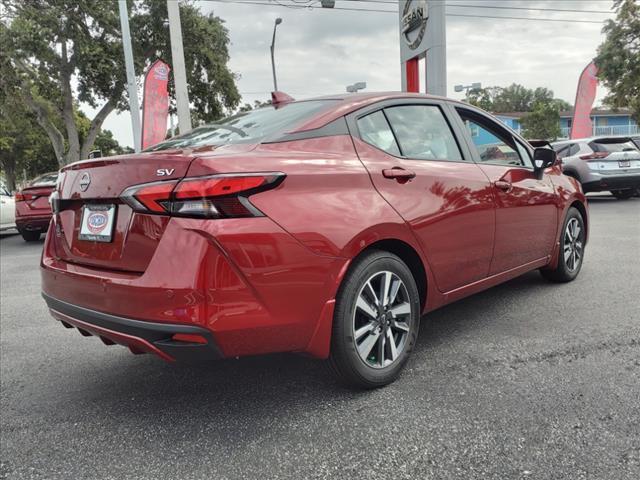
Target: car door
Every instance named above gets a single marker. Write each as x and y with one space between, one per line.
7 208
526 212
419 166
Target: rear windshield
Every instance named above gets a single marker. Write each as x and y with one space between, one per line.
613 147
246 127
45 180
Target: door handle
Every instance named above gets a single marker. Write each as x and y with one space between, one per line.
503 185
399 174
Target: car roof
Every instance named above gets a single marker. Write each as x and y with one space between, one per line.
592 139
349 102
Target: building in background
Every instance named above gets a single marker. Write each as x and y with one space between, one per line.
605 122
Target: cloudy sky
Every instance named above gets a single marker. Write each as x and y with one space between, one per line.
320 51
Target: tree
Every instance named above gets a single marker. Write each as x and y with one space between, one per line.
56 53
247 107
542 122
25 151
514 98
618 58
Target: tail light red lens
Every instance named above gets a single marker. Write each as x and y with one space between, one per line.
594 156
155 196
216 196
23 197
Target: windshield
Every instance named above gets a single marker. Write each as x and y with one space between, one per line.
245 127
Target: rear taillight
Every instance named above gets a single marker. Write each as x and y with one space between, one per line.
23 197
594 156
215 196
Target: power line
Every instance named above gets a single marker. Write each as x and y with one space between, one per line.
310 6
529 8
501 7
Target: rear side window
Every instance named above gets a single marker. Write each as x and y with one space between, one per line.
374 129
247 127
574 149
423 133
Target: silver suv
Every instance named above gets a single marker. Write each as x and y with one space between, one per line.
602 163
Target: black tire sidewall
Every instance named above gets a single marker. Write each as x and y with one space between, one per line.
343 345
562 264
623 194
30 236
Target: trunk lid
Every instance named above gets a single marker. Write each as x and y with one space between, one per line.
615 155
99 182
37 198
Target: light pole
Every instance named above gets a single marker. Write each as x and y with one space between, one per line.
179 72
467 88
273 63
356 86
134 106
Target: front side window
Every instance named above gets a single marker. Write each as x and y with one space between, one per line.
247 127
561 150
374 129
423 133
493 144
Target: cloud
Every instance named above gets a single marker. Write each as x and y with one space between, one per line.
320 51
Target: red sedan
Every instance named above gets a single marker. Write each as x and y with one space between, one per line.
326 227
33 212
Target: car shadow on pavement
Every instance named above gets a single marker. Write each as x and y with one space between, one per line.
282 381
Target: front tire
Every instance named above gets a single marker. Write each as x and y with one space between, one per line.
623 194
30 235
376 321
572 245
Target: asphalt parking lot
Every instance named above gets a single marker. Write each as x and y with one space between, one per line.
527 380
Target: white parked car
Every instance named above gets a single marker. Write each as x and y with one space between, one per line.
7 210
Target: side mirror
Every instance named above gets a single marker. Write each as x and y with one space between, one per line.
543 158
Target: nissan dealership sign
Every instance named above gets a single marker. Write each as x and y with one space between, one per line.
413 26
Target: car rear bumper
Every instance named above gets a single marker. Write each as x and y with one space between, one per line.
33 223
611 182
255 291
139 336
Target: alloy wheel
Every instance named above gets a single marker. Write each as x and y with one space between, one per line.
381 319
573 244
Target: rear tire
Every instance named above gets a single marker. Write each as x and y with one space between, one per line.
376 321
572 246
30 235
623 194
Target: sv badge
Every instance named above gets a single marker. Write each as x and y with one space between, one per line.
165 172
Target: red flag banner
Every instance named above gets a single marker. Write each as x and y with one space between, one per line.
155 106
581 125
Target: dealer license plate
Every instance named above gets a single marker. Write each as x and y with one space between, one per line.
97 223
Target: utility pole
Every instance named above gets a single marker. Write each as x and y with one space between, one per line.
179 71
132 87
273 46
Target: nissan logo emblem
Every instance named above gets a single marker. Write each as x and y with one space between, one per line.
85 181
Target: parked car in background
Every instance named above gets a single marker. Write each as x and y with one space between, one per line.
327 226
602 164
7 210
33 212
